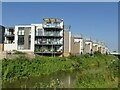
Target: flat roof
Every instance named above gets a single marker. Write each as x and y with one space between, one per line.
10 27
75 37
52 20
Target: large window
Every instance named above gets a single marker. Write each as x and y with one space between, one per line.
21 31
29 42
24 38
39 32
21 42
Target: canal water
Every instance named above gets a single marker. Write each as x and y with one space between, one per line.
67 78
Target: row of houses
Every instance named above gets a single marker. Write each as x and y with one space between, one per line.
51 38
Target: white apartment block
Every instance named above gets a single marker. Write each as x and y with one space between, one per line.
88 48
9 42
77 45
50 38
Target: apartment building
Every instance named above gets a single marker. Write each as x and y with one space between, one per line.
50 38
9 42
103 48
45 39
95 46
77 45
99 47
9 35
88 48
2 30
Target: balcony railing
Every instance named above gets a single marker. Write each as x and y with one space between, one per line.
52 34
48 51
48 43
52 26
59 36
9 35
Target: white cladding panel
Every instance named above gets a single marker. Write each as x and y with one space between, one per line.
9 47
32 37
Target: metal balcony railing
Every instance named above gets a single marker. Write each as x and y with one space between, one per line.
52 26
48 51
8 34
48 43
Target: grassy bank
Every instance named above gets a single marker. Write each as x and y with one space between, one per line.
97 70
23 67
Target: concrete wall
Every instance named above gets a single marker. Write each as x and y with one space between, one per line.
2 55
67 43
13 56
103 50
1 47
88 47
26 38
9 47
99 49
72 45
80 41
95 47
76 48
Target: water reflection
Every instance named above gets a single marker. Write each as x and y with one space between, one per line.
66 78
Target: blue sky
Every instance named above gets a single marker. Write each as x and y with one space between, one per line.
96 20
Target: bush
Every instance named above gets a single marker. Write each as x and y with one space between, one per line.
93 69
24 67
97 53
18 52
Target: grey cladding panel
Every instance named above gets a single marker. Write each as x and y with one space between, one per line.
2 30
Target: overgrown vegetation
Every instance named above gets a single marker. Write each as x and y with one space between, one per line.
96 71
23 67
16 52
101 72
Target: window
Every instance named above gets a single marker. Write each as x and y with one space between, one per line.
24 40
21 31
29 43
21 40
39 32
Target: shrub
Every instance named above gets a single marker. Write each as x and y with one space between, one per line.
18 52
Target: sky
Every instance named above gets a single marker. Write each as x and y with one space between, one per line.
98 20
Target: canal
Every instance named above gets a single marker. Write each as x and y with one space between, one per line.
65 78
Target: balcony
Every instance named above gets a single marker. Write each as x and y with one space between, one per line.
9 42
52 26
52 23
53 35
48 43
9 35
50 36
49 51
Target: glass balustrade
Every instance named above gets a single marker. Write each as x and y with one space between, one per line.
48 49
48 41
54 25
